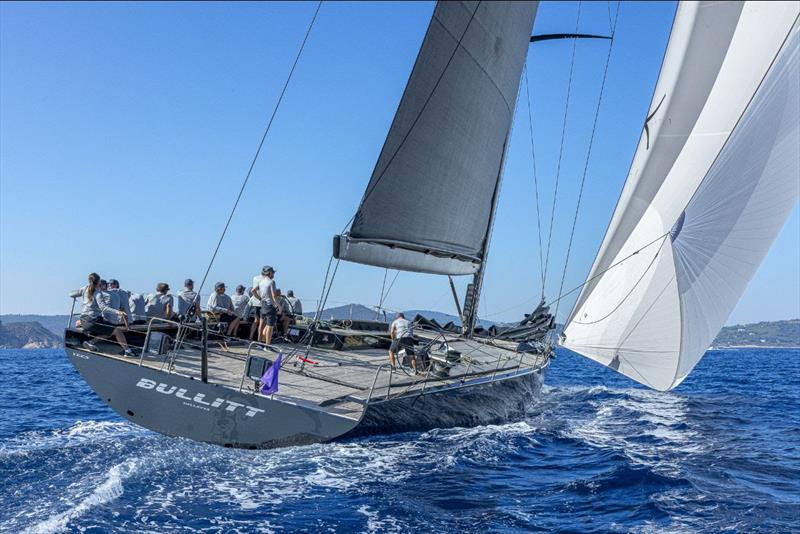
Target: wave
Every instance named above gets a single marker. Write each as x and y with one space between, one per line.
110 489
80 433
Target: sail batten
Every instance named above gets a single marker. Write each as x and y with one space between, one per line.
720 185
429 203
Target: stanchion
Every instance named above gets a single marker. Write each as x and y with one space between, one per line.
204 353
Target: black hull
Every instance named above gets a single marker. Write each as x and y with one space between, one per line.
484 403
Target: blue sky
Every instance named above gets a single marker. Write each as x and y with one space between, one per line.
126 129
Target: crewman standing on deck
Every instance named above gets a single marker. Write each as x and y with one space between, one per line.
255 304
269 302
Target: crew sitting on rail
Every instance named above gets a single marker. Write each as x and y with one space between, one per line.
136 305
285 314
117 300
188 301
91 319
402 333
297 306
160 303
221 304
240 302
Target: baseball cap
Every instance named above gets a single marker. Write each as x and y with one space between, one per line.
219 285
268 268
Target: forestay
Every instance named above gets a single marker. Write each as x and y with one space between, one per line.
714 178
429 204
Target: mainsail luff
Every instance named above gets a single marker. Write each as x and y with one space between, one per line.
429 204
716 174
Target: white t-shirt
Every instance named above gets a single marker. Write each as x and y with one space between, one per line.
402 328
255 301
265 287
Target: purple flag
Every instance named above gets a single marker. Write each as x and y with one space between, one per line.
269 382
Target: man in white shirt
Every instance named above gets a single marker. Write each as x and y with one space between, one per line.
402 333
240 301
255 304
269 300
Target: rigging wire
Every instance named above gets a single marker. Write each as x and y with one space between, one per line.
561 148
380 300
260 145
385 294
599 274
588 153
535 179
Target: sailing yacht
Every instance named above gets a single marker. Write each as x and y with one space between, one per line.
714 178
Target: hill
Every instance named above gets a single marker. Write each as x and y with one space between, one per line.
54 323
27 335
764 334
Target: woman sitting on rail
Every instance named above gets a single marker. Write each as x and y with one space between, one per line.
91 320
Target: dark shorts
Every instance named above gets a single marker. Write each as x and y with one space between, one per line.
227 317
269 314
96 327
407 342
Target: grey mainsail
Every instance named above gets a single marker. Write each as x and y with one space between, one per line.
429 203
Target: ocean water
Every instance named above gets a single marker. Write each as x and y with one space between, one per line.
596 453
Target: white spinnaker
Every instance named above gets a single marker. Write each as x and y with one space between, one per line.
715 176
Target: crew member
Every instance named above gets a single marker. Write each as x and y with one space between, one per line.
188 297
297 306
92 309
269 299
118 300
136 305
160 303
402 333
240 302
284 312
255 305
221 304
